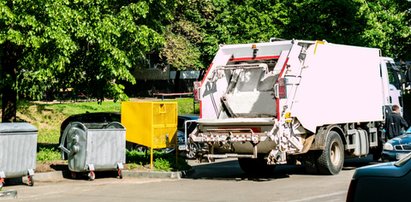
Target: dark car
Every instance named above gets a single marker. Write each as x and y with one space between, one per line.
389 181
95 117
396 148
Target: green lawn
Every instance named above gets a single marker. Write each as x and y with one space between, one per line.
47 117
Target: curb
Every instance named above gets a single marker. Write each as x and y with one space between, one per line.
56 176
158 174
152 174
48 176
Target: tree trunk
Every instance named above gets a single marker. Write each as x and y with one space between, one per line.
9 59
9 105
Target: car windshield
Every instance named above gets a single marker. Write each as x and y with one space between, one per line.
404 160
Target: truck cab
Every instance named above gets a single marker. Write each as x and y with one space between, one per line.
394 82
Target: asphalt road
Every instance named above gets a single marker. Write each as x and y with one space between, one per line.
221 181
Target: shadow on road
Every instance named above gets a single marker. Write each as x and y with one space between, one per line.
353 163
230 170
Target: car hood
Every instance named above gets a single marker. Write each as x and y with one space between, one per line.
380 170
401 140
189 116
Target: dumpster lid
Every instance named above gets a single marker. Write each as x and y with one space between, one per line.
17 127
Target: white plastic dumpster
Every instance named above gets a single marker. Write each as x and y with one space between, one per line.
18 147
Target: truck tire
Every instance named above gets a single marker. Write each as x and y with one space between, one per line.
331 160
256 166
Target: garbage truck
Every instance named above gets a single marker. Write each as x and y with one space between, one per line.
293 101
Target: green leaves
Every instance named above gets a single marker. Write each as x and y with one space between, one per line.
87 45
387 27
93 46
381 24
180 53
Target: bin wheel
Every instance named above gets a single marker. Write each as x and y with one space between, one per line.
30 180
91 175
73 175
120 173
1 183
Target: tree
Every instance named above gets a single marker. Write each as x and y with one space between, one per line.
334 21
243 22
387 26
90 46
372 23
183 37
185 33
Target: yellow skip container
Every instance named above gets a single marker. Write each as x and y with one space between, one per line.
152 124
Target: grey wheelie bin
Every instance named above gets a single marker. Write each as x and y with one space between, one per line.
18 148
94 147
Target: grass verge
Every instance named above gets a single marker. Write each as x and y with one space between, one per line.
48 154
47 117
161 161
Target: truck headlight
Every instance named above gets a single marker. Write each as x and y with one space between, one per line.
388 146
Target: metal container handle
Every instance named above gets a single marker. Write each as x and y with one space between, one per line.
63 138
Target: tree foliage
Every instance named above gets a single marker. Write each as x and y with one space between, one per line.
380 24
242 22
335 21
387 26
92 46
86 45
184 35
89 45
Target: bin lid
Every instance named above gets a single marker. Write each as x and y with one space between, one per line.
17 127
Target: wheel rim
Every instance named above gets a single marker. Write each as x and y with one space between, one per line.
335 154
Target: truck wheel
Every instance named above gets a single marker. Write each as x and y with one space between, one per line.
30 180
256 166
331 160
